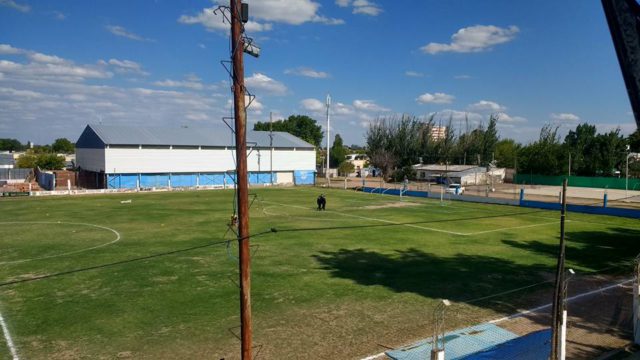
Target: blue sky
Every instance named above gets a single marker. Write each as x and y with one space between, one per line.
157 63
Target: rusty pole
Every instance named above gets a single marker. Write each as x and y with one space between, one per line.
558 293
237 47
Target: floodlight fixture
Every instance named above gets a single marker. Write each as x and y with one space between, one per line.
251 48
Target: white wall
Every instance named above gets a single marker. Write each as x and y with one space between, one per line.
90 159
205 160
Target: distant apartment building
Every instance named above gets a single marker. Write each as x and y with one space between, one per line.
438 132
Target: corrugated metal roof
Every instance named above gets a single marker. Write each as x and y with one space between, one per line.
6 159
133 135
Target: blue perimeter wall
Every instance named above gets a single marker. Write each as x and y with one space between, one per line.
586 209
130 181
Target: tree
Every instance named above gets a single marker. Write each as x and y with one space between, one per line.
507 153
581 145
301 126
45 161
10 145
543 156
634 141
345 168
338 153
489 140
63 145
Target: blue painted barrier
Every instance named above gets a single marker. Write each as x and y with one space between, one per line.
585 209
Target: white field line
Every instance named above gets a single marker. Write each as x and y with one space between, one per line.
374 219
7 337
421 227
118 237
513 227
536 309
575 297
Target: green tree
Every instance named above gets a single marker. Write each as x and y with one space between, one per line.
45 161
581 145
507 153
489 140
10 145
345 168
543 156
301 126
634 141
338 152
63 145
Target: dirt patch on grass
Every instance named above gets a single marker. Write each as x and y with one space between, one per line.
396 204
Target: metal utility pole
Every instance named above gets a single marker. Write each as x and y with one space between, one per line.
569 164
271 145
237 47
559 291
328 136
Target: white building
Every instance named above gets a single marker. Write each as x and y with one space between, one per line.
131 157
459 174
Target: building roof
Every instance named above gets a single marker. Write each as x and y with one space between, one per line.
96 136
6 159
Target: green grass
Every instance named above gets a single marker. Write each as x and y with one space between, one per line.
328 284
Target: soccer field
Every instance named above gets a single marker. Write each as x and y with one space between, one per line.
102 277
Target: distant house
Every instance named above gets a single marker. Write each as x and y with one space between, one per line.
438 133
359 162
458 174
7 161
142 157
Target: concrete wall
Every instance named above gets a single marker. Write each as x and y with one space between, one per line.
128 160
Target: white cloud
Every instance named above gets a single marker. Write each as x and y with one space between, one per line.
413 74
506 118
437 98
194 85
313 105
341 109
487 106
122 32
474 39
307 72
366 7
462 77
261 82
59 15
368 105
202 46
47 59
363 7
215 21
65 71
292 12
9 50
16 6
125 66
565 117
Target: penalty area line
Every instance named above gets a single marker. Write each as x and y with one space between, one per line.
7 337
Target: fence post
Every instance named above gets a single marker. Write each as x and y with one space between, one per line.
604 203
521 195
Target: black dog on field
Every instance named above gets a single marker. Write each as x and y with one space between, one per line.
322 202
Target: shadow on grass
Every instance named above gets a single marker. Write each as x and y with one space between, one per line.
610 251
461 278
